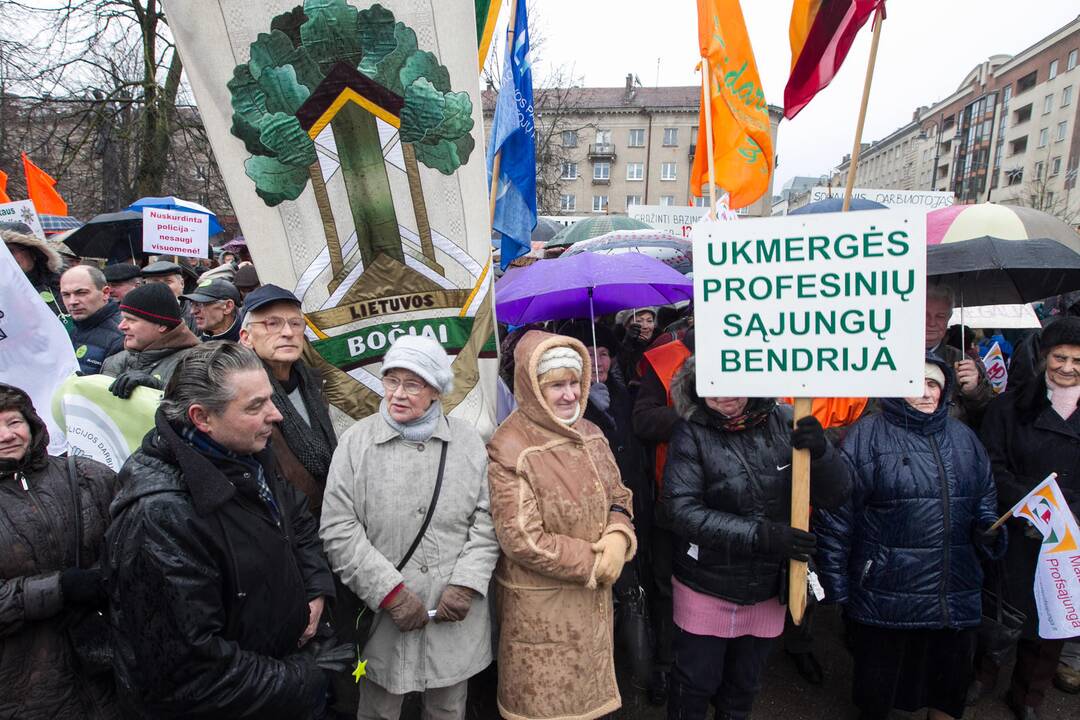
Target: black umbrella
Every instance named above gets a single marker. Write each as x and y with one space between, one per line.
113 236
990 271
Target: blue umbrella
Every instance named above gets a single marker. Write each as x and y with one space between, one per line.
836 204
174 203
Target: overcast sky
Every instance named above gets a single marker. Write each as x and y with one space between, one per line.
926 49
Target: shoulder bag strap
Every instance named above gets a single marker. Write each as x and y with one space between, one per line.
430 510
76 501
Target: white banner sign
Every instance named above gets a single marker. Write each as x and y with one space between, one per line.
998 317
174 232
925 199
35 350
22 212
826 305
671 218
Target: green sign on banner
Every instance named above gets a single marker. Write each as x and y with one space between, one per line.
368 345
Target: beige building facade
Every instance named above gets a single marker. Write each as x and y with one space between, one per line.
1009 134
601 150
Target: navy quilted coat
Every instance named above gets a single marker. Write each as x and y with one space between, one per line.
900 554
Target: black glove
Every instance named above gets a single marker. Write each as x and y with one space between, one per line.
330 657
778 539
985 538
809 435
126 382
82 587
316 681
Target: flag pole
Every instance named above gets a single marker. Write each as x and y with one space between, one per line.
879 15
800 459
496 165
706 98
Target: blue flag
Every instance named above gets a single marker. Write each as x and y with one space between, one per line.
513 132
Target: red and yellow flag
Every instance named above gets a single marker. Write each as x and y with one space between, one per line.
742 141
821 33
3 188
41 189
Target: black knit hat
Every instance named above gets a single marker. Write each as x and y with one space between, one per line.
1065 331
154 302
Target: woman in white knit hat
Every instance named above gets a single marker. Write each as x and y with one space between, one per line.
432 631
563 519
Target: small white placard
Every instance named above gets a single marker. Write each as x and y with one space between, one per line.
174 232
23 212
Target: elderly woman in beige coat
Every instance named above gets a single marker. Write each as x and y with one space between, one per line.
432 631
563 520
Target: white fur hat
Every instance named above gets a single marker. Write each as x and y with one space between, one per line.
423 356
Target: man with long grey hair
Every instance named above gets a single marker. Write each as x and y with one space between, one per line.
217 579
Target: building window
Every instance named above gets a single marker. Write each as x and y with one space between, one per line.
599 203
1016 176
601 170
1044 137
637 137
1066 96
1022 115
568 202
1071 62
1055 166
1053 69
603 137
1048 104
1063 127
632 200
635 171
671 137
1049 199
693 135
701 201
569 138
569 171
1018 145
1006 94
1027 82
1039 168
667 200
667 170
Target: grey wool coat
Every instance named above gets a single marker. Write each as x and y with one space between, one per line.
377 493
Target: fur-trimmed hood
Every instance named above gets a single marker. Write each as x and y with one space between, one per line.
527 391
683 391
46 258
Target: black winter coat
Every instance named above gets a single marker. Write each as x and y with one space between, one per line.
38 676
209 595
97 337
1027 440
900 552
720 486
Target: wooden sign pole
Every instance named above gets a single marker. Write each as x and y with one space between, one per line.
800 459
707 99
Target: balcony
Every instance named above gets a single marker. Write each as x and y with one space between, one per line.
601 181
601 151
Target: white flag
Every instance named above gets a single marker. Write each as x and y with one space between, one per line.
35 349
1057 574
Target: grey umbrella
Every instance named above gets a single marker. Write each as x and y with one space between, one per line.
990 271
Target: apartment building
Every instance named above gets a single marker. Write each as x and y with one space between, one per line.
1010 133
601 150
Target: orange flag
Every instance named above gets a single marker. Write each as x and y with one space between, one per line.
42 191
742 143
3 188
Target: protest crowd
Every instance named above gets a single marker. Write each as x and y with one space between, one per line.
228 489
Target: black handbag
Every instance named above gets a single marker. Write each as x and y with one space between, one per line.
1001 625
365 619
87 629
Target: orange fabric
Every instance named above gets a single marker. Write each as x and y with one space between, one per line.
803 13
42 191
666 360
742 143
835 412
3 188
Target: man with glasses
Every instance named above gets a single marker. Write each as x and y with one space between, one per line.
215 305
303 441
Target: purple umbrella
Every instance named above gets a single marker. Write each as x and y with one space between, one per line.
586 285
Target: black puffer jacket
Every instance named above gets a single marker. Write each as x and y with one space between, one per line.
720 486
38 679
900 554
97 337
1027 440
209 596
